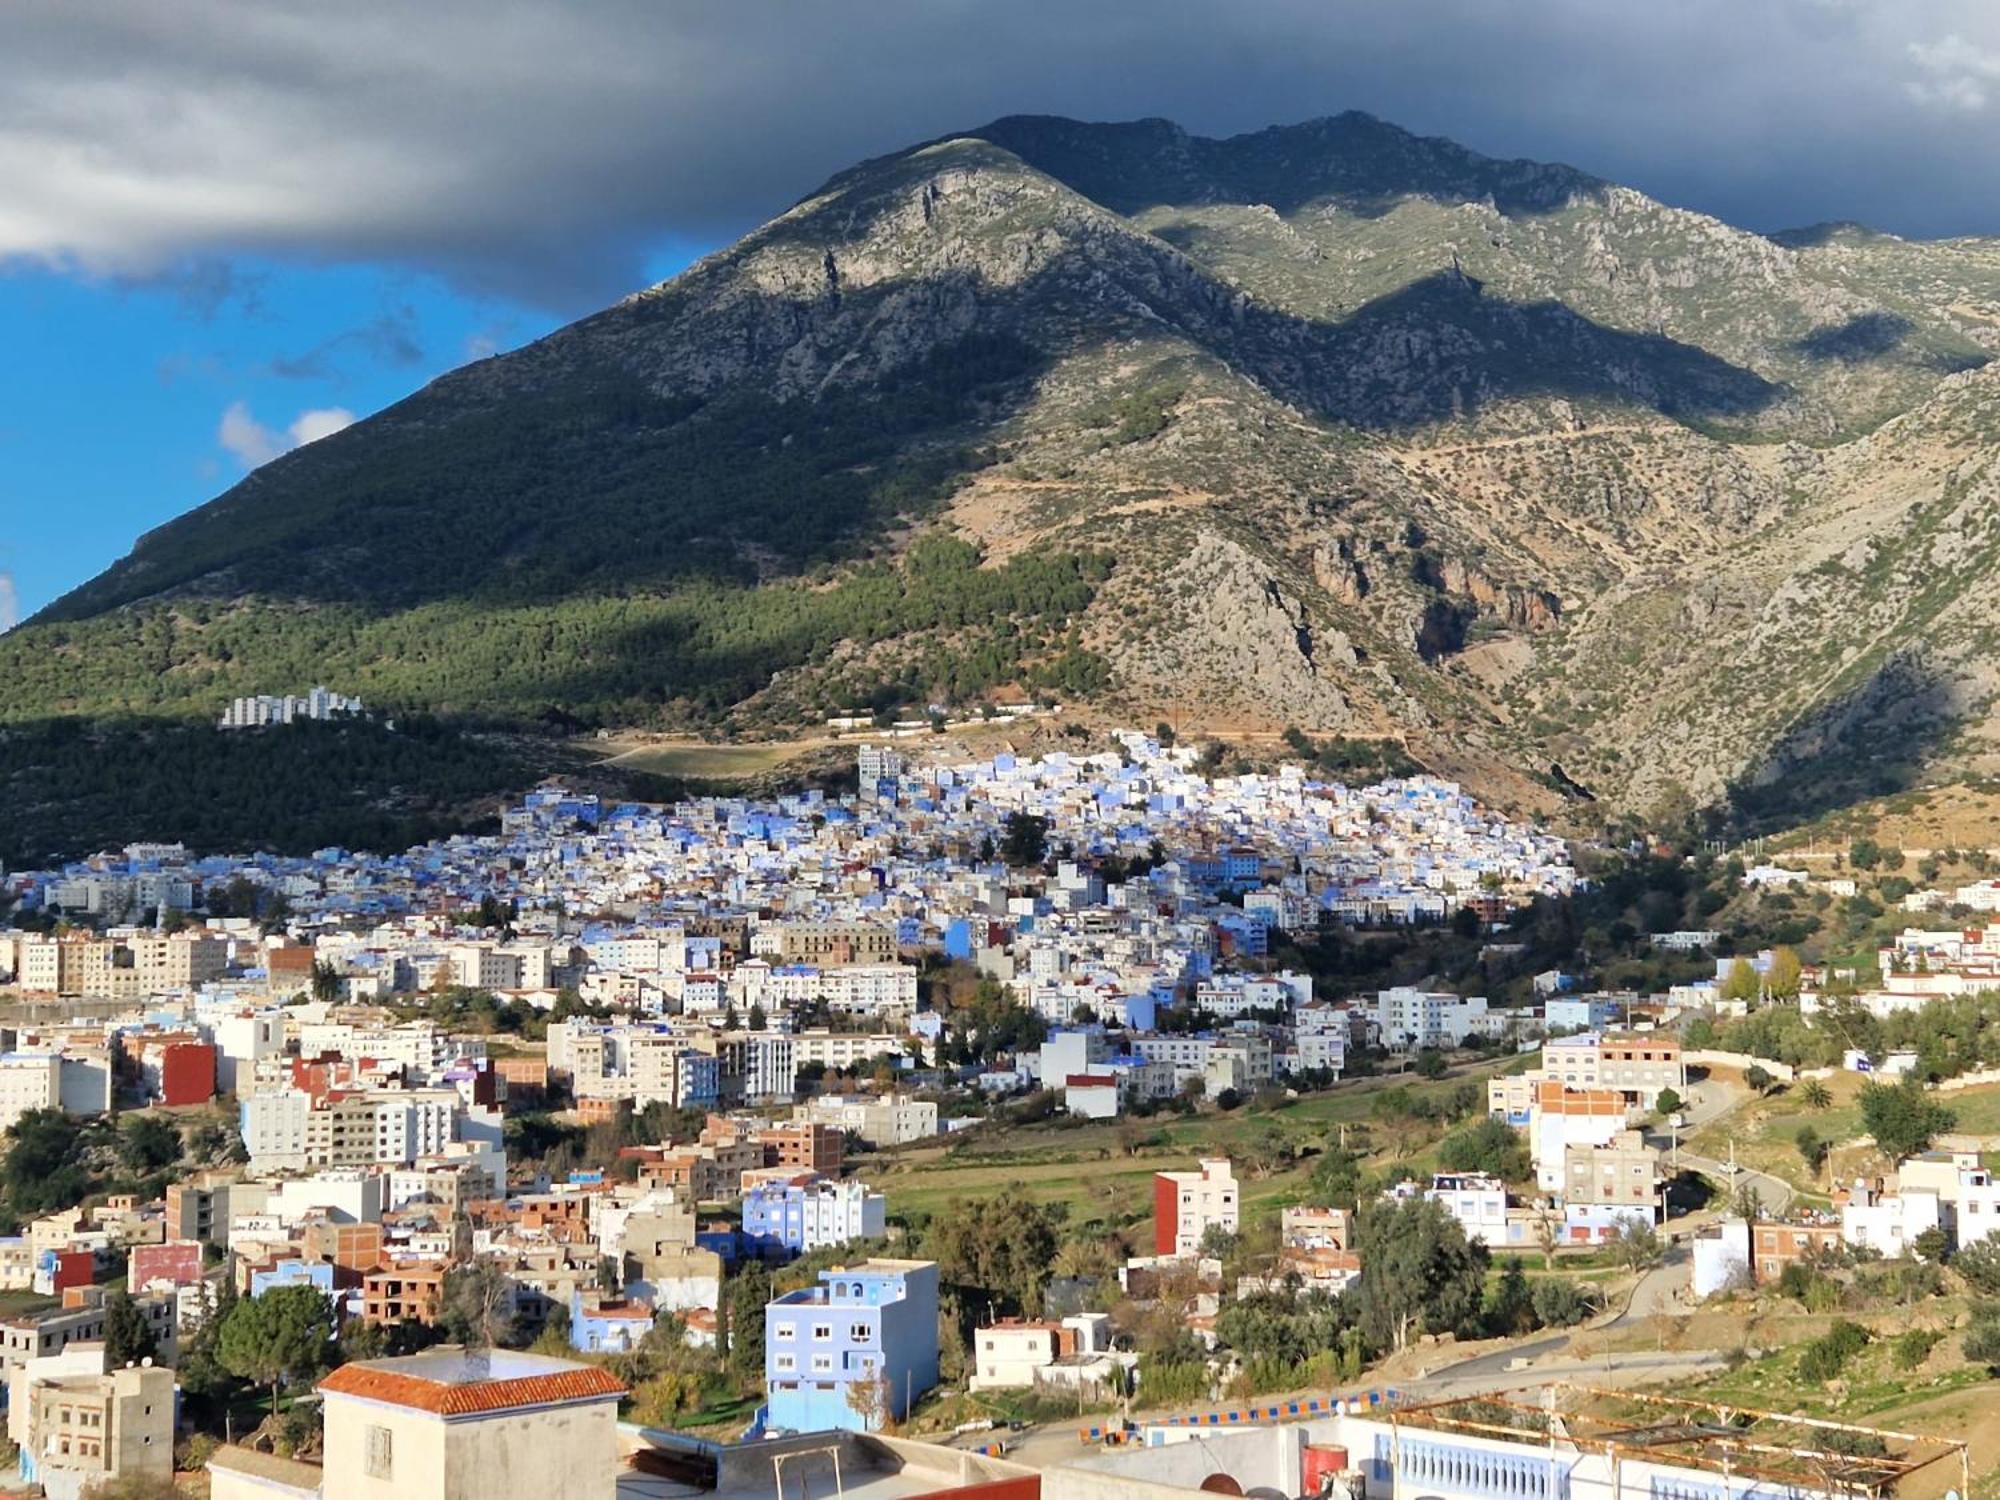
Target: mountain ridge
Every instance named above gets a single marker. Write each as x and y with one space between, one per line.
1327 424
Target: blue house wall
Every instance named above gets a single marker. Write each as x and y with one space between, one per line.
875 1322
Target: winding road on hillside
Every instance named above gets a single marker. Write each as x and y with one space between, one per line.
1707 1102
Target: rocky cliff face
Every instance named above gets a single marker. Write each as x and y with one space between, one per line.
1364 432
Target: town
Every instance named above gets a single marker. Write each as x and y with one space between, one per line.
601 1143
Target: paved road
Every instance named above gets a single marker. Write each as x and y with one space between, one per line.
1660 1292
1494 1366
1707 1102
1608 1369
1774 1193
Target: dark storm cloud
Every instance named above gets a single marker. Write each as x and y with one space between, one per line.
541 151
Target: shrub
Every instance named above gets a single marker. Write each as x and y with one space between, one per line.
1796 1281
1979 1264
192 1456
1913 1347
1561 1304
1826 1356
1981 1341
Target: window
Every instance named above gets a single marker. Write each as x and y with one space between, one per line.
822 1332
785 1362
860 1332
379 1457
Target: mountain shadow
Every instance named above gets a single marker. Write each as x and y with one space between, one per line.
1441 349
591 483
1353 160
1874 742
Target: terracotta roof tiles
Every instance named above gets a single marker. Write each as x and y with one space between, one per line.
580 1383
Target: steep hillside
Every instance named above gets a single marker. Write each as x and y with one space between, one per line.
1329 425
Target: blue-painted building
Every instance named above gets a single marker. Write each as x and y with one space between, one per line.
604 1326
873 1325
1582 1013
782 1219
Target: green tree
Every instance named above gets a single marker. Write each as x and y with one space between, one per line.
1265 1150
1668 1103
1336 1178
1980 1343
1812 1149
206 1383
128 1338
1487 1145
325 981
1814 1094
1741 983
1024 839
1903 1118
1759 1077
1637 1246
1979 1264
1510 1305
1430 1063
1001 1247
1417 1272
1220 1244
744 1302
286 1334
361 1339
148 1143
1560 1303
44 1169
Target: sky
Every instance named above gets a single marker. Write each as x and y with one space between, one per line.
228 229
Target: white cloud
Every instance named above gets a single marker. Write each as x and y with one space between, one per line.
248 440
252 444
311 426
1959 73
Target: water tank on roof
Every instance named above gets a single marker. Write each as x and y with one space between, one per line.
1322 1468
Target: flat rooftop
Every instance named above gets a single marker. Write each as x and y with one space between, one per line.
802 1467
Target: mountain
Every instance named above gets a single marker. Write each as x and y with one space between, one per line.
1569 491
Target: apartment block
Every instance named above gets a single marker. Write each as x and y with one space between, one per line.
854 1351
79 1427
1637 1065
1186 1205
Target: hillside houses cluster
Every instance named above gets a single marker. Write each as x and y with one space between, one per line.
726 946
721 962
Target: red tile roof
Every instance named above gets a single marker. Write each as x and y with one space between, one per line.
583 1383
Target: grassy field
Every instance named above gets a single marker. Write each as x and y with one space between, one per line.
701 762
1765 1132
1093 1169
